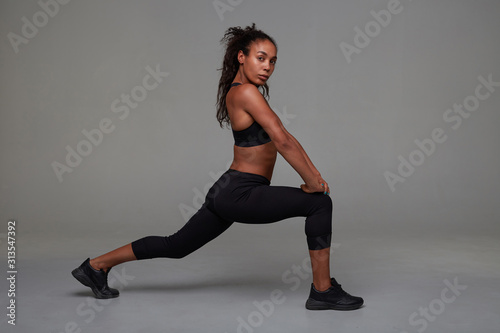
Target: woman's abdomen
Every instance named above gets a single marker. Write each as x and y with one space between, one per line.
259 160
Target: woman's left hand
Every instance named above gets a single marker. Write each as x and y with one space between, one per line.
321 186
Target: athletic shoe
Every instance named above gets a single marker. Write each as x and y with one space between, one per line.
334 298
96 280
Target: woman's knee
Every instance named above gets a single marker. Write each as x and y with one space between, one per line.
324 203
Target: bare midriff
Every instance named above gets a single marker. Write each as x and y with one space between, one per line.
258 159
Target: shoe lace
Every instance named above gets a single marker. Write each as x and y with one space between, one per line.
338 288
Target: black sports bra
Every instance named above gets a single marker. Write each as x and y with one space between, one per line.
252 136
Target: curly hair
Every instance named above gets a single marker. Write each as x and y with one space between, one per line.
236 39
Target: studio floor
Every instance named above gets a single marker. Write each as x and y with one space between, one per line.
256 283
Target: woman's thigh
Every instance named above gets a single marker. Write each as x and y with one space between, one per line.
267 204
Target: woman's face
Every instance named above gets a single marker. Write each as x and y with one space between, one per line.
258 66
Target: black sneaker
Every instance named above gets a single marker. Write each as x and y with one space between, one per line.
96 280
334 298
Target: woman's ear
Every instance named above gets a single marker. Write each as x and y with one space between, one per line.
241 57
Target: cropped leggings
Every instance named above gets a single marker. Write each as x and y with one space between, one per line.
246 198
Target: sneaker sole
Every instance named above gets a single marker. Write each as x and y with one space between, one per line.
83 279
313 304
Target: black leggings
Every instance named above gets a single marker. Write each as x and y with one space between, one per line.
246 198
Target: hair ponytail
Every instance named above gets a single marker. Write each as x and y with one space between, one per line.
235 39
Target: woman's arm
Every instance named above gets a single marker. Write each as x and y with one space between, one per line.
252 101
311 165
308 160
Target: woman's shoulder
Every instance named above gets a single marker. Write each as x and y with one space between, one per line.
245 91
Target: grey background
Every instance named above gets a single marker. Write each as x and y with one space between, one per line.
353 118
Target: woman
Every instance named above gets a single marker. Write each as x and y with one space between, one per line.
243 193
